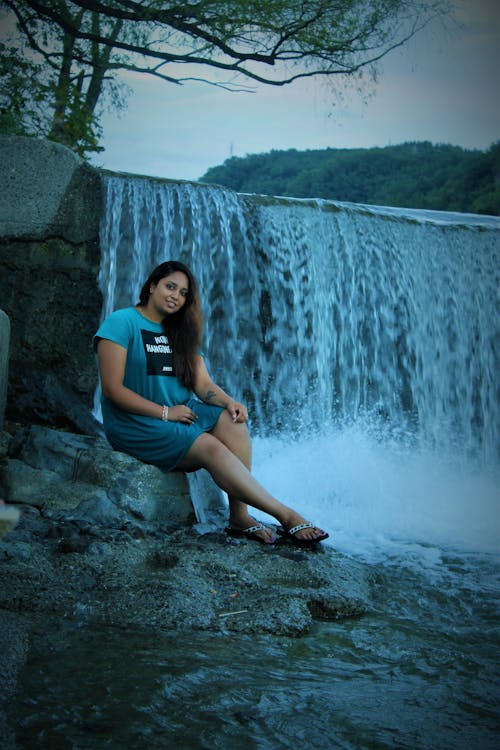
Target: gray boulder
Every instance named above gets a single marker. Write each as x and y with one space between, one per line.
47 191
82 477
4 362
50 210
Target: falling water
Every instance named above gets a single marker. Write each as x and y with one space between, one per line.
320 312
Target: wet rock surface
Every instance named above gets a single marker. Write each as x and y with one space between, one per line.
109 536
50 209
181 579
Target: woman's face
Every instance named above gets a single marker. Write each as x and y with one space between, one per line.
168 295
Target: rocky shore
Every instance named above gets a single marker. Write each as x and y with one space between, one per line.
104 535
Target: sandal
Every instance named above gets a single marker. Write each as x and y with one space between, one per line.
290 535
249 533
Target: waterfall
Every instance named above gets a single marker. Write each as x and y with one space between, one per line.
320 312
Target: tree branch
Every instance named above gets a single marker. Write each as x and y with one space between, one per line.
270 42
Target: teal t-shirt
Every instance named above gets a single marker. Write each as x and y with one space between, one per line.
149 367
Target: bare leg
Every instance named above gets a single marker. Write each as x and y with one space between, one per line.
234 435
234 478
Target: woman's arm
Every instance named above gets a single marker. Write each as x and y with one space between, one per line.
210 393
111 359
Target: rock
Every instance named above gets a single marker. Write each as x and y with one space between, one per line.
4 362
127 527
47 191
14 644
183 581
19 551
84 478
98 508
39 487
50 207
42 398
53 450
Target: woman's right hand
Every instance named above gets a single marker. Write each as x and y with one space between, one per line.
181 413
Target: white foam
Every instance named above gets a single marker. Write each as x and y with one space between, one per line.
378 497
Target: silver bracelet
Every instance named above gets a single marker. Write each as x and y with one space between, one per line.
164 413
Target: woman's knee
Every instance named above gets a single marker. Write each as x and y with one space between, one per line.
208 449
230 432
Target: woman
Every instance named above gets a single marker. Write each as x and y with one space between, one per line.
160 405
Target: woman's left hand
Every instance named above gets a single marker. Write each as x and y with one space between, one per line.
237 411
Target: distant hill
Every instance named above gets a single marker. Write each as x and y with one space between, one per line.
412 175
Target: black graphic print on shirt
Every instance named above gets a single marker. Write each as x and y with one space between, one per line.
159 359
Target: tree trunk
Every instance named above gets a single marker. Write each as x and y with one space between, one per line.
61 94
100 60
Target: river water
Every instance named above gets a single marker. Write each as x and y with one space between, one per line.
365 342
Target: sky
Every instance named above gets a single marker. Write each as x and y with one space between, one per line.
442 86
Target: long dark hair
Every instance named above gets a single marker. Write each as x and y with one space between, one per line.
183 328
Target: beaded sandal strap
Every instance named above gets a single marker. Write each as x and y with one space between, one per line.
300 526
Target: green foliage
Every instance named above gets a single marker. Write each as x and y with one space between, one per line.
22 94
29 92
411 175
77 127
75 48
